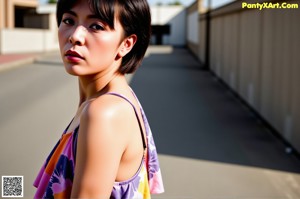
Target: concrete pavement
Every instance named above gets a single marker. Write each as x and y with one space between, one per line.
9 61
210 146
37 100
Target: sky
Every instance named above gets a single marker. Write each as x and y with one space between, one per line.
215 3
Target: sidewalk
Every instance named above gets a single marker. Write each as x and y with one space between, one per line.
210 145
10 61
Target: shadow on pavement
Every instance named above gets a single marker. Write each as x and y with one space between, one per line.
193 115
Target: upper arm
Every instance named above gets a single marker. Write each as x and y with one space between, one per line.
99 150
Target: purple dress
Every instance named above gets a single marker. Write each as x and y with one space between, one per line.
55 178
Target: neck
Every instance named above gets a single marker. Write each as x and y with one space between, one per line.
93 86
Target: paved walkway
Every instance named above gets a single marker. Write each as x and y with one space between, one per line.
211 146
9 61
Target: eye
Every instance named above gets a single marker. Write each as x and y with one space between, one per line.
96 27
68 21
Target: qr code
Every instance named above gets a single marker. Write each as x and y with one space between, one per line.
12 186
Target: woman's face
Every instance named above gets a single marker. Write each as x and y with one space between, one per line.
87 44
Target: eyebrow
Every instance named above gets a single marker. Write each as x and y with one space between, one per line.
93 16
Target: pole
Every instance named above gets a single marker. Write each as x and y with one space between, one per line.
207 41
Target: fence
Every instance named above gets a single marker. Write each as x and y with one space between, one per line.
257 53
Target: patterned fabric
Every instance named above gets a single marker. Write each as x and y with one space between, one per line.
55 178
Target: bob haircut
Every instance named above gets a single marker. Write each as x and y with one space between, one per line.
134 16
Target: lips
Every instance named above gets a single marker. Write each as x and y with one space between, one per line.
73 54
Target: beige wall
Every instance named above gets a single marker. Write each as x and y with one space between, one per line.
7 10
27 40
2 20
257 53
192 41
10 18
2 13
20 40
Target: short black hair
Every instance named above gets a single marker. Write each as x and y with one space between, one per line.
134 16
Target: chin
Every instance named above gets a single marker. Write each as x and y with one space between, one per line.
71 69
77 70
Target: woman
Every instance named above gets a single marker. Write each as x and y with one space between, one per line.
107 151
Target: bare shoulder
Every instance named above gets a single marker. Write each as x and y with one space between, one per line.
108 107
102 140
107 114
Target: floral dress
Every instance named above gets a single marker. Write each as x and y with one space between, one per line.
56 176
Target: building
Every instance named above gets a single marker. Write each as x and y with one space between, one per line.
26 27
168 25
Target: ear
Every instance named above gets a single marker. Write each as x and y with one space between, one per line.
127 45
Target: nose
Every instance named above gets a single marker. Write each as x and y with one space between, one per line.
78 36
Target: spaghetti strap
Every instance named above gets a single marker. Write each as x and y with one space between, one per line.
59 168
67 129
136 114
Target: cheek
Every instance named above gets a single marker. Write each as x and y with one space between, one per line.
108 43
62 37
103 50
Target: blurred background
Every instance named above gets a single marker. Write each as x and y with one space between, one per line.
224 103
